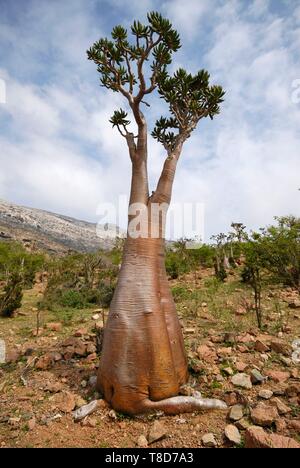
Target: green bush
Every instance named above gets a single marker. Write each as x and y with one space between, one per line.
15 259
11 299
72 298
106 293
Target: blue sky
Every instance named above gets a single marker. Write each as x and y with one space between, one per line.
58 151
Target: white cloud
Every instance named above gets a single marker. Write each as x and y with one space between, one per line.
58 151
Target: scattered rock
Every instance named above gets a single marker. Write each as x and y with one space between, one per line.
31 424
231 399
224 351
112 414
85 410
243 424
282 408
295 425
79 402
281 348
53 387
89 422
206 353
216 339
92 380
265 394
208 440
280 425
264 415
65 401
189 331
247 338
256 377
142 441
286 361
157 432
236 413
54 326
256 437
232 434
99 325
220 378
56 356
293 390
228 371
295 374
2 351
241 380
12 355
80 349
278 376
261 347
91 357
240 366
44 362
229 338
91 348
240 311
295 304
102 404
81 332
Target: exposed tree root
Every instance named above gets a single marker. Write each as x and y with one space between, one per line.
183 404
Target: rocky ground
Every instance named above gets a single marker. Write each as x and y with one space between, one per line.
49 375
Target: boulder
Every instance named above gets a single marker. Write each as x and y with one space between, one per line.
261 347
142 441
282 408
208 440
241 380
44 362
157 432
264 415
232 434
278 376
281 348
65 401
256 437
236 413
2 351
265 394
54 326
256 377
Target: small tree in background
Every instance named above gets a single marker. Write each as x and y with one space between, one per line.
253 272
221 259
281 248
11 299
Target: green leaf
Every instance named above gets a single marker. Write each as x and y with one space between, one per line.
119 118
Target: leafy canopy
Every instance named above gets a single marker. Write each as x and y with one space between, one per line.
121 63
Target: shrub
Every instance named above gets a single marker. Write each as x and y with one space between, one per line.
72 298
11 299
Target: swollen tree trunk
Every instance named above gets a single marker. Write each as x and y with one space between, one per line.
143 354
143 362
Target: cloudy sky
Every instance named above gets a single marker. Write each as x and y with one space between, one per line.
58 151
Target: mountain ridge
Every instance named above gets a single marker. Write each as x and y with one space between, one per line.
42 229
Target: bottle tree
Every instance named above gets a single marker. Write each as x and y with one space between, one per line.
143 362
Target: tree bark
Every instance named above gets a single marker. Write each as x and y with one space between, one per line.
143 362
143 354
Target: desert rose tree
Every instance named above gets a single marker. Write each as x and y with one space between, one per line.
143 362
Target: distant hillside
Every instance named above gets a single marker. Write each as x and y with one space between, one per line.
52 232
